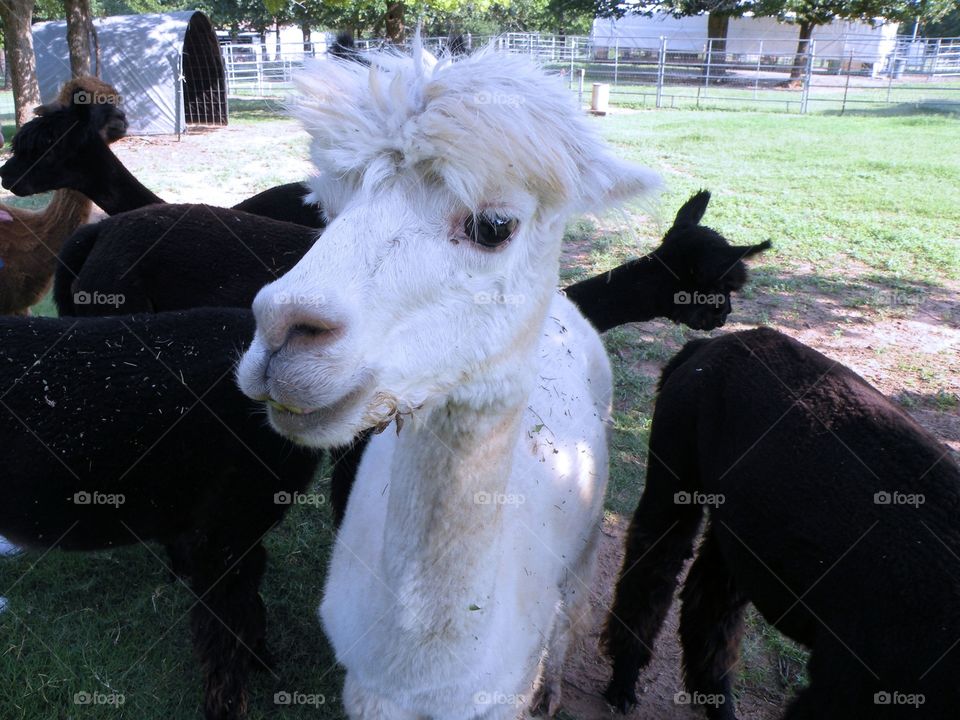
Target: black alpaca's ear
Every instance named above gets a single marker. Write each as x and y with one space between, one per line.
47 109
693 209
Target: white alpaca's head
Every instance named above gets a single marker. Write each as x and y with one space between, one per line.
447 186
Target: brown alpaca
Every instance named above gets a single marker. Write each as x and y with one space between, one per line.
30 241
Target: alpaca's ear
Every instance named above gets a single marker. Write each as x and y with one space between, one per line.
609 181
693 209
44 110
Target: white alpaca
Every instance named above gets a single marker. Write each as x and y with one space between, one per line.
466 554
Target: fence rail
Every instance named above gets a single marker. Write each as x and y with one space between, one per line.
684 72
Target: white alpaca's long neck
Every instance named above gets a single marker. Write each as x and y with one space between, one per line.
450 472
444 521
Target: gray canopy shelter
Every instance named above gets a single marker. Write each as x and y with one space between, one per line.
167 68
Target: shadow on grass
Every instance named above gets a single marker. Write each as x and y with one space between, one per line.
807 300
924 107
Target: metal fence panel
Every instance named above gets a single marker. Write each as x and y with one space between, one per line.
647 71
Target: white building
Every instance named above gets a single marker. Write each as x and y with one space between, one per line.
864 43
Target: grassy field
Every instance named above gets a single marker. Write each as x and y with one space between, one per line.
864 217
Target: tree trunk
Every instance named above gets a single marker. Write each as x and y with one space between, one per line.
16 16
803 47
307 34
79 32
717 27
277 46
395 11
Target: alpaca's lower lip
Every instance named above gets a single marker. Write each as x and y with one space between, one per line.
293 420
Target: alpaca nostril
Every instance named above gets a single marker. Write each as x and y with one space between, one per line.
309 332
313 332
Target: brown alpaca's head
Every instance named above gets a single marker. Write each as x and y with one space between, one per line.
59 147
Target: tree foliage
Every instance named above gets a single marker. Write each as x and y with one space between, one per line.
948 25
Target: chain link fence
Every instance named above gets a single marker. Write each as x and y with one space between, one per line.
686 72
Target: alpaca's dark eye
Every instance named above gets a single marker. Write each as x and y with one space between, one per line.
489 231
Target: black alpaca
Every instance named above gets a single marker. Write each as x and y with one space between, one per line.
130 429
830 510
688 279
64 148
344 48
175 257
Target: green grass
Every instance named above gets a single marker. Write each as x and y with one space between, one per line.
878 190
855 205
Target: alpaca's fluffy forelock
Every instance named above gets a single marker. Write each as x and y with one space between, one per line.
480 125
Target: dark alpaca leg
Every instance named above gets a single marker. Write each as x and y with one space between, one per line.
660 538
179 553
229 622
711 627
346 460
841 689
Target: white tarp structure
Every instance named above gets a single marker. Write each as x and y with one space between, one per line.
167 68
866 43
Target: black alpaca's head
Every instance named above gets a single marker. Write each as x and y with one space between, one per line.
705 267
345 48
57 149
458 46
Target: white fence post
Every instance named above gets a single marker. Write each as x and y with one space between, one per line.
661 61
706 82
756 78
616 59
892 70
807 76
